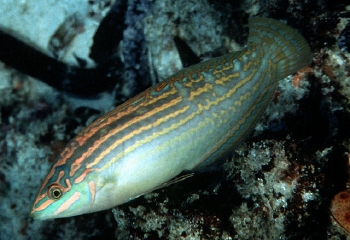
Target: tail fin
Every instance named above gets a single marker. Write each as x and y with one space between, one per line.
286 46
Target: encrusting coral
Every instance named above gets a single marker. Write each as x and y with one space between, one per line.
340 209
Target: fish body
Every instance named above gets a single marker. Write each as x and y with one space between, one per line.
186 122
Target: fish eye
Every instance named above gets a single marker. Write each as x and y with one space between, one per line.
55 191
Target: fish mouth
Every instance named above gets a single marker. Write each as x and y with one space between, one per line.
38 215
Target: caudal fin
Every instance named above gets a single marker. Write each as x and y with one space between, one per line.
286 46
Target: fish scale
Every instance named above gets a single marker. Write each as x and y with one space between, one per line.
188 121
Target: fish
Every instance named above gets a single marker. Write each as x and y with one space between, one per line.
184 123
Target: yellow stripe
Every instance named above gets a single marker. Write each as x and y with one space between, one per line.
133 134
114 131
165 130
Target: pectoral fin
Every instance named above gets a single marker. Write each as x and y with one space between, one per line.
174 180
166 184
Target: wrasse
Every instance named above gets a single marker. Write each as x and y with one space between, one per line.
188 121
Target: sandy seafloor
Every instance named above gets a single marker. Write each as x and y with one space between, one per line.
278 184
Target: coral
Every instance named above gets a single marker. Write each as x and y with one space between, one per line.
344 39
269 182
206 30
163 221
340 209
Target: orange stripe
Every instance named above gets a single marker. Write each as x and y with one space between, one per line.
92 188
113 132
42 206
66 204
135 133
83 175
